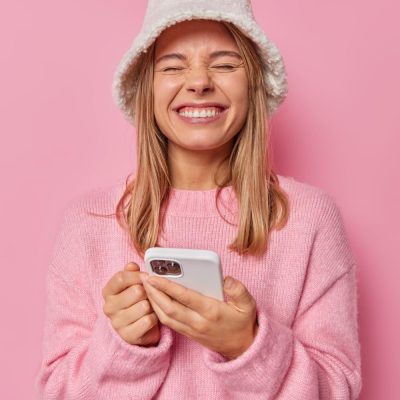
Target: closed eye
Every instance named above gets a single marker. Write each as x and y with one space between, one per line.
171 68
225 66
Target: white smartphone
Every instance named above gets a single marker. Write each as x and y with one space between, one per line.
195 269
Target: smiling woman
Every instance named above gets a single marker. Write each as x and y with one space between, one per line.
200 84
199 122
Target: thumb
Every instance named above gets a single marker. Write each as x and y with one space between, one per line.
131 266
238 294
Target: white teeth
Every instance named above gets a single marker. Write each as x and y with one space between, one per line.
196 113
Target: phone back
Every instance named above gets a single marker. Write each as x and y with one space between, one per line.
199 270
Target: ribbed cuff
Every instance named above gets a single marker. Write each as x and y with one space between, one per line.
263 363
125 356
218 363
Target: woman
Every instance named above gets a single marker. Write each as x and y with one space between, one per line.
200 83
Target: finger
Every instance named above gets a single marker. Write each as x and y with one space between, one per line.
151 337
140 327
120 281
168 309
240 298
166 320
131 266
125 299
132 314
188 297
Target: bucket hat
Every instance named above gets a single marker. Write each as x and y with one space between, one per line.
160 14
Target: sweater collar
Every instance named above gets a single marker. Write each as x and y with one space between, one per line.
201 203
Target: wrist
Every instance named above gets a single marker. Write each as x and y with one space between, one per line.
246 343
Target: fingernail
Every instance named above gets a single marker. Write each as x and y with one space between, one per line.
228 282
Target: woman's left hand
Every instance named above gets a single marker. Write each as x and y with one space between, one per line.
228 328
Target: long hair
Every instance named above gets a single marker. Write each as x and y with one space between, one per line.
263 205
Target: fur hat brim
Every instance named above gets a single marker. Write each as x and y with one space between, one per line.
124 83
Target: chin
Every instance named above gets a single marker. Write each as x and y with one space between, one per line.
200 145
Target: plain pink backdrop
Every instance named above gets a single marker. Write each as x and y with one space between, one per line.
62 135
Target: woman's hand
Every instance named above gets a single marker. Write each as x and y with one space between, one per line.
228 328
128 308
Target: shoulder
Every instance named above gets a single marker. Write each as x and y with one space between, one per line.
100 199
82 214
79 225
315 211
309 203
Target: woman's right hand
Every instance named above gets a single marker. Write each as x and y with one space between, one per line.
127 306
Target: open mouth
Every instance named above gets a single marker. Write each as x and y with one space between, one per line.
201 114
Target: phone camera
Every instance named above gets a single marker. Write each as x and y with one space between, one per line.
166 267
161 270
173 268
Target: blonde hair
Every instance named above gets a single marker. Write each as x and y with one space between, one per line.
263 205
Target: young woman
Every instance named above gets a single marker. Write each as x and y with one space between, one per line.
200 84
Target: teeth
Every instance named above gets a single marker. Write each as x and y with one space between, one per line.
199 113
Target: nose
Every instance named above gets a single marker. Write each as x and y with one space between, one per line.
198 80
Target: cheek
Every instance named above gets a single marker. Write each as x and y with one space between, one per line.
236 89
242 95
159 94
240 89
237 92
164 91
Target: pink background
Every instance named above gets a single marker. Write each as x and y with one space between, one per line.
61 135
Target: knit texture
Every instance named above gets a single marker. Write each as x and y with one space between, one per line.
305 286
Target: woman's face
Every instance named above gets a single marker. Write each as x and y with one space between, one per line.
196 75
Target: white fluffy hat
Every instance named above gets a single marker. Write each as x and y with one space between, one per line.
161 14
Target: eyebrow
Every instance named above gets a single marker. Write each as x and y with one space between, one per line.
215 54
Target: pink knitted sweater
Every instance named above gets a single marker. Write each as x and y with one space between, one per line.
305 286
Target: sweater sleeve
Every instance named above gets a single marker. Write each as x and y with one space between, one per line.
318 356
83 357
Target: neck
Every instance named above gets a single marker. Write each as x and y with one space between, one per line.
197 169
